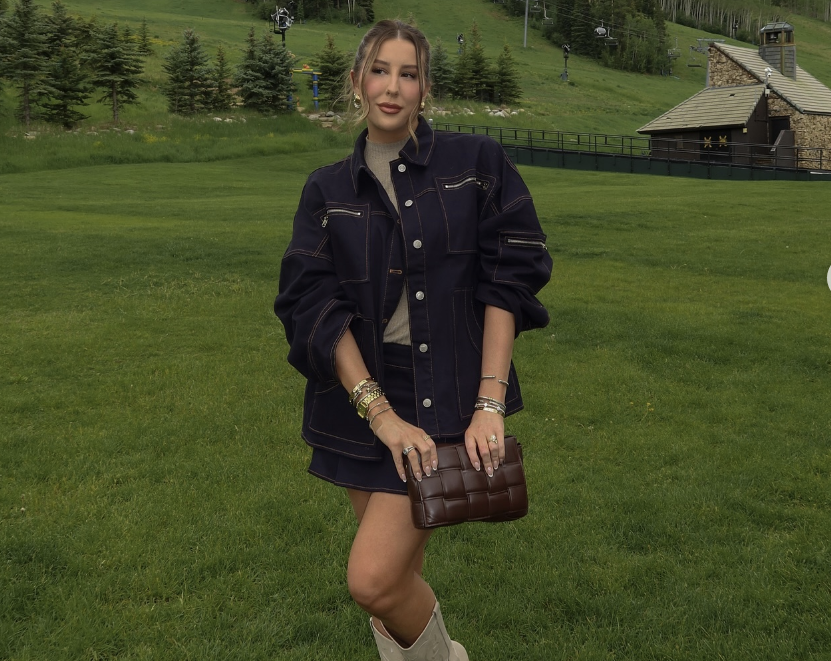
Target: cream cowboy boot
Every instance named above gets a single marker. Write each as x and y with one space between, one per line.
387 648
434 643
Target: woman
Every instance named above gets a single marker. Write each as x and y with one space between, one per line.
413 265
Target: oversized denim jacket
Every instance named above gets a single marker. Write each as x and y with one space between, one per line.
467 236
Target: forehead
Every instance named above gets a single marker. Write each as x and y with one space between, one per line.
398 51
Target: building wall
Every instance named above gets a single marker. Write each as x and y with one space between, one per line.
812 133
724 72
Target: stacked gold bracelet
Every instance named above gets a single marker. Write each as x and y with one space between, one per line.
366 397
490 405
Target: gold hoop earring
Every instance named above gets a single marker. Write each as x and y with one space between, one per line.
422 106
356 101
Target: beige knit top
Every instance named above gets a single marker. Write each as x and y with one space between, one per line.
378 157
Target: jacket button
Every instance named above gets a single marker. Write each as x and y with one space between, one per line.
422 348
408 203
416 244
419 295
402 168
427 403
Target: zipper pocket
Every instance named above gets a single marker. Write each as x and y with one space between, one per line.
528 243
464 182
341 212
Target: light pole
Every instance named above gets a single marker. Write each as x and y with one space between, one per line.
525 38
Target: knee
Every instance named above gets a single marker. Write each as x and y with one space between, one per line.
374 590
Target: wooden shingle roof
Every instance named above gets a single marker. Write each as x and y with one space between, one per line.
712 107
806 93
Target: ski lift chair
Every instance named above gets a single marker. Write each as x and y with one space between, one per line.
692 60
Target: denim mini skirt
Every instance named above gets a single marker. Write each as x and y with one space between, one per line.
399 388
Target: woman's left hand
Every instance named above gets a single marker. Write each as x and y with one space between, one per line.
485 438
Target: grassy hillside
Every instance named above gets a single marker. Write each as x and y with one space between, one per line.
595 99
154 503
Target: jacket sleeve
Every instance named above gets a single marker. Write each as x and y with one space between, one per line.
311 303
514 261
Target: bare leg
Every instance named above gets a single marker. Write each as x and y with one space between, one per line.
359 500
385 564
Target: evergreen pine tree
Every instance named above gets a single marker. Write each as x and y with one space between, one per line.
66 86
481 73
23 57
334 67
66 82
463 75
116 67
222 97
61 29
264 75
189 86
506 89
144 39
441 71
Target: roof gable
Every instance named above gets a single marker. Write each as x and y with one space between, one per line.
806 93
710 108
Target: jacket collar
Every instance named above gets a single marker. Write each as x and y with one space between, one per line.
425 138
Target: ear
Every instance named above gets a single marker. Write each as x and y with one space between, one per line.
356 84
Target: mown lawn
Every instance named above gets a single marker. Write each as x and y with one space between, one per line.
153 496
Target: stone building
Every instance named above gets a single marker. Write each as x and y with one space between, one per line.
759 107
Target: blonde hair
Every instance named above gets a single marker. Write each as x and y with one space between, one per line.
367 53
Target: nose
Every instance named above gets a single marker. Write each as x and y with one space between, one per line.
392 86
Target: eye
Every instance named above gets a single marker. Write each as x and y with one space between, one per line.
408 74
377 70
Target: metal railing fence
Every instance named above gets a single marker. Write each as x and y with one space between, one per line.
658 147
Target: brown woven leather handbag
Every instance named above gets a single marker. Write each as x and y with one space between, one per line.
457 492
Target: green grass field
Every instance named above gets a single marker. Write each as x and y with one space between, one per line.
153 496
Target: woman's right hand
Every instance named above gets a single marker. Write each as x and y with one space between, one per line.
399 435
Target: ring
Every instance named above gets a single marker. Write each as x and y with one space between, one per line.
407 450
426 438
492 439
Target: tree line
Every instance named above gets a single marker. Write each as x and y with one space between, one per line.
56 62
632 34
471 75
262 81
741 19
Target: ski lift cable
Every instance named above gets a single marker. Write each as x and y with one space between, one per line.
590 21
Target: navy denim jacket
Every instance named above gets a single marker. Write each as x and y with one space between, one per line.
467 236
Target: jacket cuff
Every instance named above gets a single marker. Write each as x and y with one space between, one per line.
528 312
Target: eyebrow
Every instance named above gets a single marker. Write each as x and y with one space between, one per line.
404 66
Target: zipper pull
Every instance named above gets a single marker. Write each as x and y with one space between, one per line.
325 220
